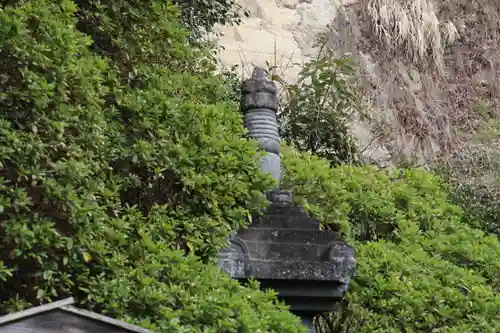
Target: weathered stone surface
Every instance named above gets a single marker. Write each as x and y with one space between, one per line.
286 234
280 32
277 221
259 104
293 249
287 252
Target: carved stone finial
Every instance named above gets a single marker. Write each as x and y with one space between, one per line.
259 73
259 103
285 248
259 92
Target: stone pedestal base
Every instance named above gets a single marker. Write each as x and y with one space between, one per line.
286 251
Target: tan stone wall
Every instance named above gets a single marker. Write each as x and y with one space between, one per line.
280 32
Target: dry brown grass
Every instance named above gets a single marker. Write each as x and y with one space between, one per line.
410 28
423 67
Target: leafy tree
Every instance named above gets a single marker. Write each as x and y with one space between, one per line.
201 16
420 268
318 109
123 168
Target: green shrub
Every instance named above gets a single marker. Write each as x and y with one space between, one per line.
481 205
170 292
474 186
318 109
119 155
420 268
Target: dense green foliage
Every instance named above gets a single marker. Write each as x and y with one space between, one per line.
482 208
479 199
420 268
473 176
319 108
122 166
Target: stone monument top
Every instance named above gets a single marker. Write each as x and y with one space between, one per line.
285 249
259 104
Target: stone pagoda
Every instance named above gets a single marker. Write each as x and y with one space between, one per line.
285 249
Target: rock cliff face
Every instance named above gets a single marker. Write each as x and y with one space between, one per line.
281 32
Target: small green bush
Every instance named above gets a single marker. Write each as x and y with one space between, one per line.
318 109
420 268
123 169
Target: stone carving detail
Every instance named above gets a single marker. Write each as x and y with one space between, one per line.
234 259
279 196
259 104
